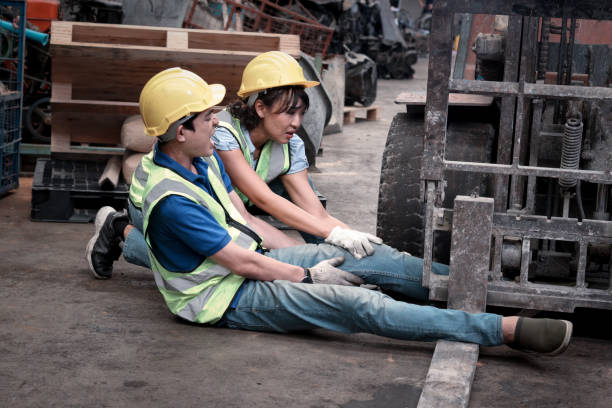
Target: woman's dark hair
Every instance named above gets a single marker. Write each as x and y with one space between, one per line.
287 95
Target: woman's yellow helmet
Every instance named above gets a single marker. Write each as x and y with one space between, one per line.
272 70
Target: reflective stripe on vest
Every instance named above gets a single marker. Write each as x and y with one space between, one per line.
203 294
139 180
274 158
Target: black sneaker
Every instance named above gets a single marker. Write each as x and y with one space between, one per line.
546 336
103 248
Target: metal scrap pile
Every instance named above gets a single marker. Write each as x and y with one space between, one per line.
392 33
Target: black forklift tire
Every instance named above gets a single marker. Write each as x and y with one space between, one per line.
400 218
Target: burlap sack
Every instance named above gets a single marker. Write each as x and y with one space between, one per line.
133 136
130 162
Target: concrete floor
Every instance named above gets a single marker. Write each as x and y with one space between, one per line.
71 341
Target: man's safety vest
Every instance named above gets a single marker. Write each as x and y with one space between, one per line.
274 159
139 180
203 294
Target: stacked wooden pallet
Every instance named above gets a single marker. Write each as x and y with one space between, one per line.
98 71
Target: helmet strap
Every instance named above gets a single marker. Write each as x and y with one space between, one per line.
251 99
171 132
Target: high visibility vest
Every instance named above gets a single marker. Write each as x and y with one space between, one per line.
203 294
274 159
139 179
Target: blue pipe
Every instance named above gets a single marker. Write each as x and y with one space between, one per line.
41 38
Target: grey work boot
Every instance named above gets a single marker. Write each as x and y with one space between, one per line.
546 336
103 248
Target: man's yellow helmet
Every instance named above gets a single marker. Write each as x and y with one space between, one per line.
173 94
272 70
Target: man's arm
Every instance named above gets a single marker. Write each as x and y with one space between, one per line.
273 237
254 265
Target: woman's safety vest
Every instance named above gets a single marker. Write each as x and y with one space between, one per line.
274 159
203 294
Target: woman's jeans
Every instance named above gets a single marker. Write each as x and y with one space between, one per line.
284 306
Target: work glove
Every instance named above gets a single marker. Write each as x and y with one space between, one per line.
356 242
326 272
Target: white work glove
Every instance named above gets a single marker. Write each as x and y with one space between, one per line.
356 242
326 272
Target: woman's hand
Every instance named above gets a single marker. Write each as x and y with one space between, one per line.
356 242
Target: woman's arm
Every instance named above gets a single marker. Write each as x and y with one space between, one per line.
248 182
303 196
273 238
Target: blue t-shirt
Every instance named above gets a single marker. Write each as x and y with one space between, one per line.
224 140
182 232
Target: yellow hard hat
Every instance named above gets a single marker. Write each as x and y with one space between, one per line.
271 70
172 94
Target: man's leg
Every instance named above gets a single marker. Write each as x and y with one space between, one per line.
111 228
387 268
283 306
135 249
134 244
104 246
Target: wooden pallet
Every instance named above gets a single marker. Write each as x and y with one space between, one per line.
98 71
350 113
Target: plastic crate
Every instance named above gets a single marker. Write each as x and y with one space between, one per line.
12 40
10 136
68 191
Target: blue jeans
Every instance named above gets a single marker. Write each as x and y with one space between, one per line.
283 306
135 247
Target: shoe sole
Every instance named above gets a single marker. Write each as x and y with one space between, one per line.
101 216
569 328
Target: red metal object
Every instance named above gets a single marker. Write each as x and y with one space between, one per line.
42 12
272 18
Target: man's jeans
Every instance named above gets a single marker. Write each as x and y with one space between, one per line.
135 246
283 306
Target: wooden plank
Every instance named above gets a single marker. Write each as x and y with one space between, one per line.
349 117
98 107
60 136
98 71
61 90
61 33
452 366
371 113
419 98
114 34
177 39
122 80
68 32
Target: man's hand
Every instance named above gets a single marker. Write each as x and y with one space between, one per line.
356 242
326 272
